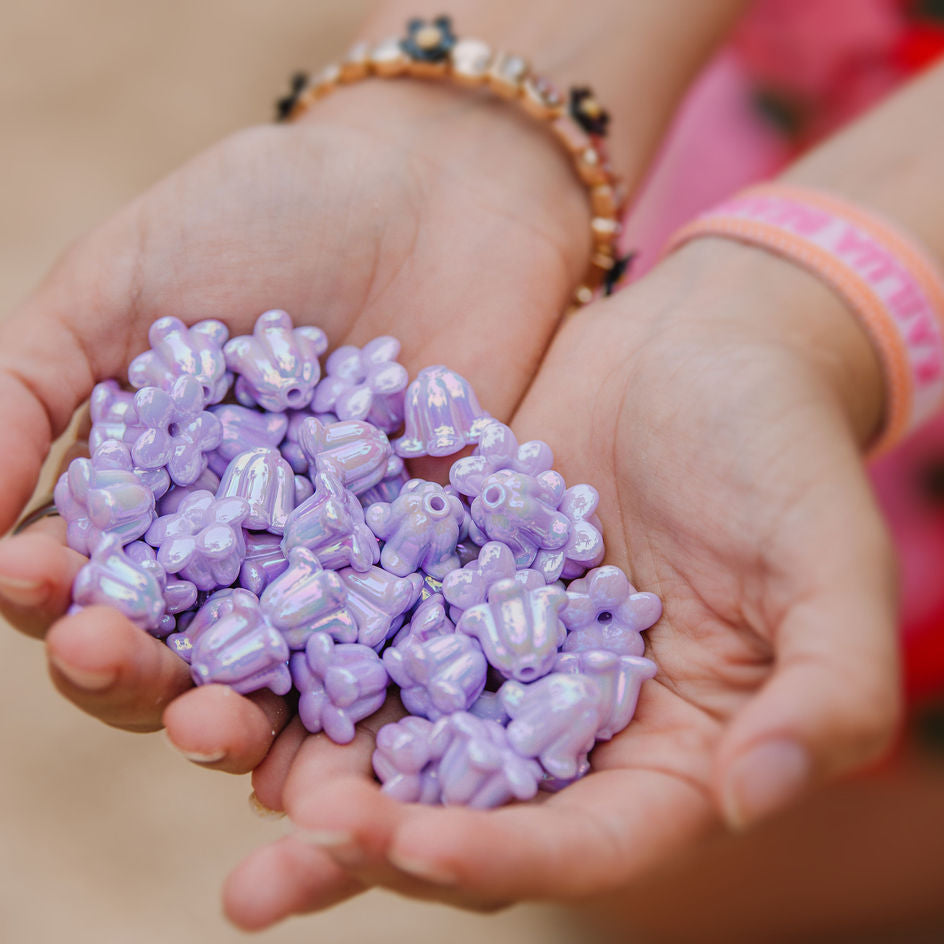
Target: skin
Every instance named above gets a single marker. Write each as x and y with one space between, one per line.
735 395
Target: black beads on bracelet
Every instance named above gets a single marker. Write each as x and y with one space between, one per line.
428 41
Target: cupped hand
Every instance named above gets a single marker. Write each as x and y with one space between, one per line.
717 406
393 208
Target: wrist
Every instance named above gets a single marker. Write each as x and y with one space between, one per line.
774 301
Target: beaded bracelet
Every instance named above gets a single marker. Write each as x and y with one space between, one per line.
430 49
891 284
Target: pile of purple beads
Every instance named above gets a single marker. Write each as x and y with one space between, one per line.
274 539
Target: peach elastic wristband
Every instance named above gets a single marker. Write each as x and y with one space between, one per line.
888 280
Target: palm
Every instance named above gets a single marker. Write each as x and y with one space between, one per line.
703 501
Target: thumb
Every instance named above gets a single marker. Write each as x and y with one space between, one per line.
72 331
833 702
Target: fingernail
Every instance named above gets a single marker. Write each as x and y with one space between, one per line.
213 757
419 868
85 678
22 592
261 810
765 780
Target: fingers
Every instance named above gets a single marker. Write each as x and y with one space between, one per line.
270 775
216 727
111 669
285 878
833 702
36 575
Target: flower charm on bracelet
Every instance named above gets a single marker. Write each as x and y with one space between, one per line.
428 41
587 112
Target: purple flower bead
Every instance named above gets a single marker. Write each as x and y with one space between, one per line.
103 495
244 429
277 364
264 560
168 504
356 452
178 431
521 511
364 384
498 449
112 454
113 415
339 684
290 449
386 490
478 766
191 625
519 629
584 547
404 763
307 599
241 649
421 528
428 621
266 482
469 585
555 719
442 415
113 578
179 595
439 676
177 350
378 600
203 541
605 611
618 678
489 707
331 524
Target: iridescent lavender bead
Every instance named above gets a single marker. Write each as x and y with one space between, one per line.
178 431
364 384
427 621
386 490
94 497
277 365
177 350
421 528
192 625
331 524
404 763
519 629
468 586
498 449
113 415
169 503
179 595
378 601
241 649
203 541
265 481
354 451
439 676
304 489
584 547
264 560
489 707
619 679
339 684
113 578
244 429
605 611
112 454
441 413
307 599
521 511
289 447
478 766
554 719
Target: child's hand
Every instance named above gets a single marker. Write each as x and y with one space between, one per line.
364 218
716 407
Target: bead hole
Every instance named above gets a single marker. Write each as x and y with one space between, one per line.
493 494
293 395
173 430
605 617
436 503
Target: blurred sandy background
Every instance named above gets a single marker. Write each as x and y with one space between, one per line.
106 836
